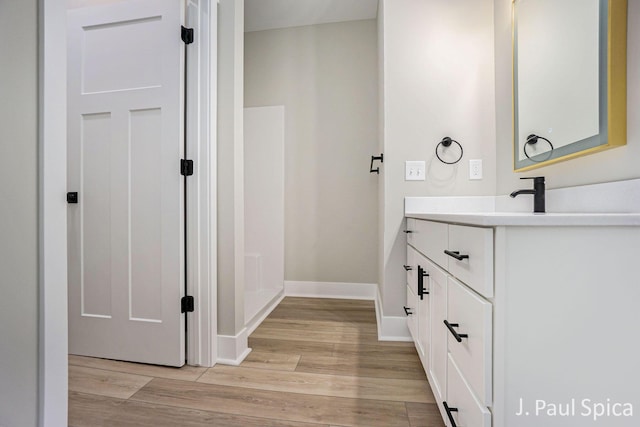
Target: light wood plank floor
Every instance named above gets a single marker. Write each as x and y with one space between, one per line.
315 363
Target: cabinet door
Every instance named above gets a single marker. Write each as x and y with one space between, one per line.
411 309
424 307
411 268
438 342
465 409
471 317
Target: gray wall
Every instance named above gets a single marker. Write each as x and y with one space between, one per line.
230 168
612 165
438 81
18 214
326 77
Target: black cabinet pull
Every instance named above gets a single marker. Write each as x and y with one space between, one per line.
449 413
406 310
455 333
456 255
421 275
408 267
407 231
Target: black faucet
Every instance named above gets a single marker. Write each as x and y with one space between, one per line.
538 193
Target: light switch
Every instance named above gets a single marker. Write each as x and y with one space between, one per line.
414 170
475 169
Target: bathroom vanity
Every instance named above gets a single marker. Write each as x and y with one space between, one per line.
523 319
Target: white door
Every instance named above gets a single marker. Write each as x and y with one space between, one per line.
126 233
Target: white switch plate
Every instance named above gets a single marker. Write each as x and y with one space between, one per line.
414 170
475 169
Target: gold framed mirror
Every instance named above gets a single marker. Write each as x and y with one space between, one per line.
569 79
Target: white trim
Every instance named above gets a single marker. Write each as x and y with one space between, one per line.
253 324
232 350
202 221
391 328
52 130
362 291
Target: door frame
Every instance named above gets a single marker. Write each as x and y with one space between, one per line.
52 209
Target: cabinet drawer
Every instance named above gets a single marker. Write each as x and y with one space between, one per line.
429 238
475 245
411 309
466 410
472 353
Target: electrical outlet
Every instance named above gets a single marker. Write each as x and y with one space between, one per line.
414 170
475 169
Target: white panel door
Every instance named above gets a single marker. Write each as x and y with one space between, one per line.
126 234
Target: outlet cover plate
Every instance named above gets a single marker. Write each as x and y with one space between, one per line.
475 169
414 170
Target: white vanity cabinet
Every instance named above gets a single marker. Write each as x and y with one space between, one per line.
457 262
541 319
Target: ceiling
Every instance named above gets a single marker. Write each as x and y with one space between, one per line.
270 14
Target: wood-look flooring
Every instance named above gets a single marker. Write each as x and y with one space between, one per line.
315 363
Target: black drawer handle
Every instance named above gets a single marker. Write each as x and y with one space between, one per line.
407 231
449 413
408 267
421 275
406 310
456 255
455 333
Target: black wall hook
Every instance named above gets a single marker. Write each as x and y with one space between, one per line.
446 142
373 159
533 140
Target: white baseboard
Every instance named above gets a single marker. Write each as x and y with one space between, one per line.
362 291
262 314
391 328
232 350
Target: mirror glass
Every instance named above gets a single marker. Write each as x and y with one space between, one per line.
564 63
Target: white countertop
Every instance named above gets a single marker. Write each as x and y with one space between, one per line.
495 219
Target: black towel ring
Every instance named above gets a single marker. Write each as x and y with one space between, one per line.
446 142
532 140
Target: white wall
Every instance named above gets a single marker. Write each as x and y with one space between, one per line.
53 346
438 81
264 206
230 168
381 143
611 165
18 213
326 77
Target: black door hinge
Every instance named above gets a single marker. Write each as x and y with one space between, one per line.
72 197
187 35
186 167
187 304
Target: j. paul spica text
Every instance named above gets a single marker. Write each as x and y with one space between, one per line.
574 408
